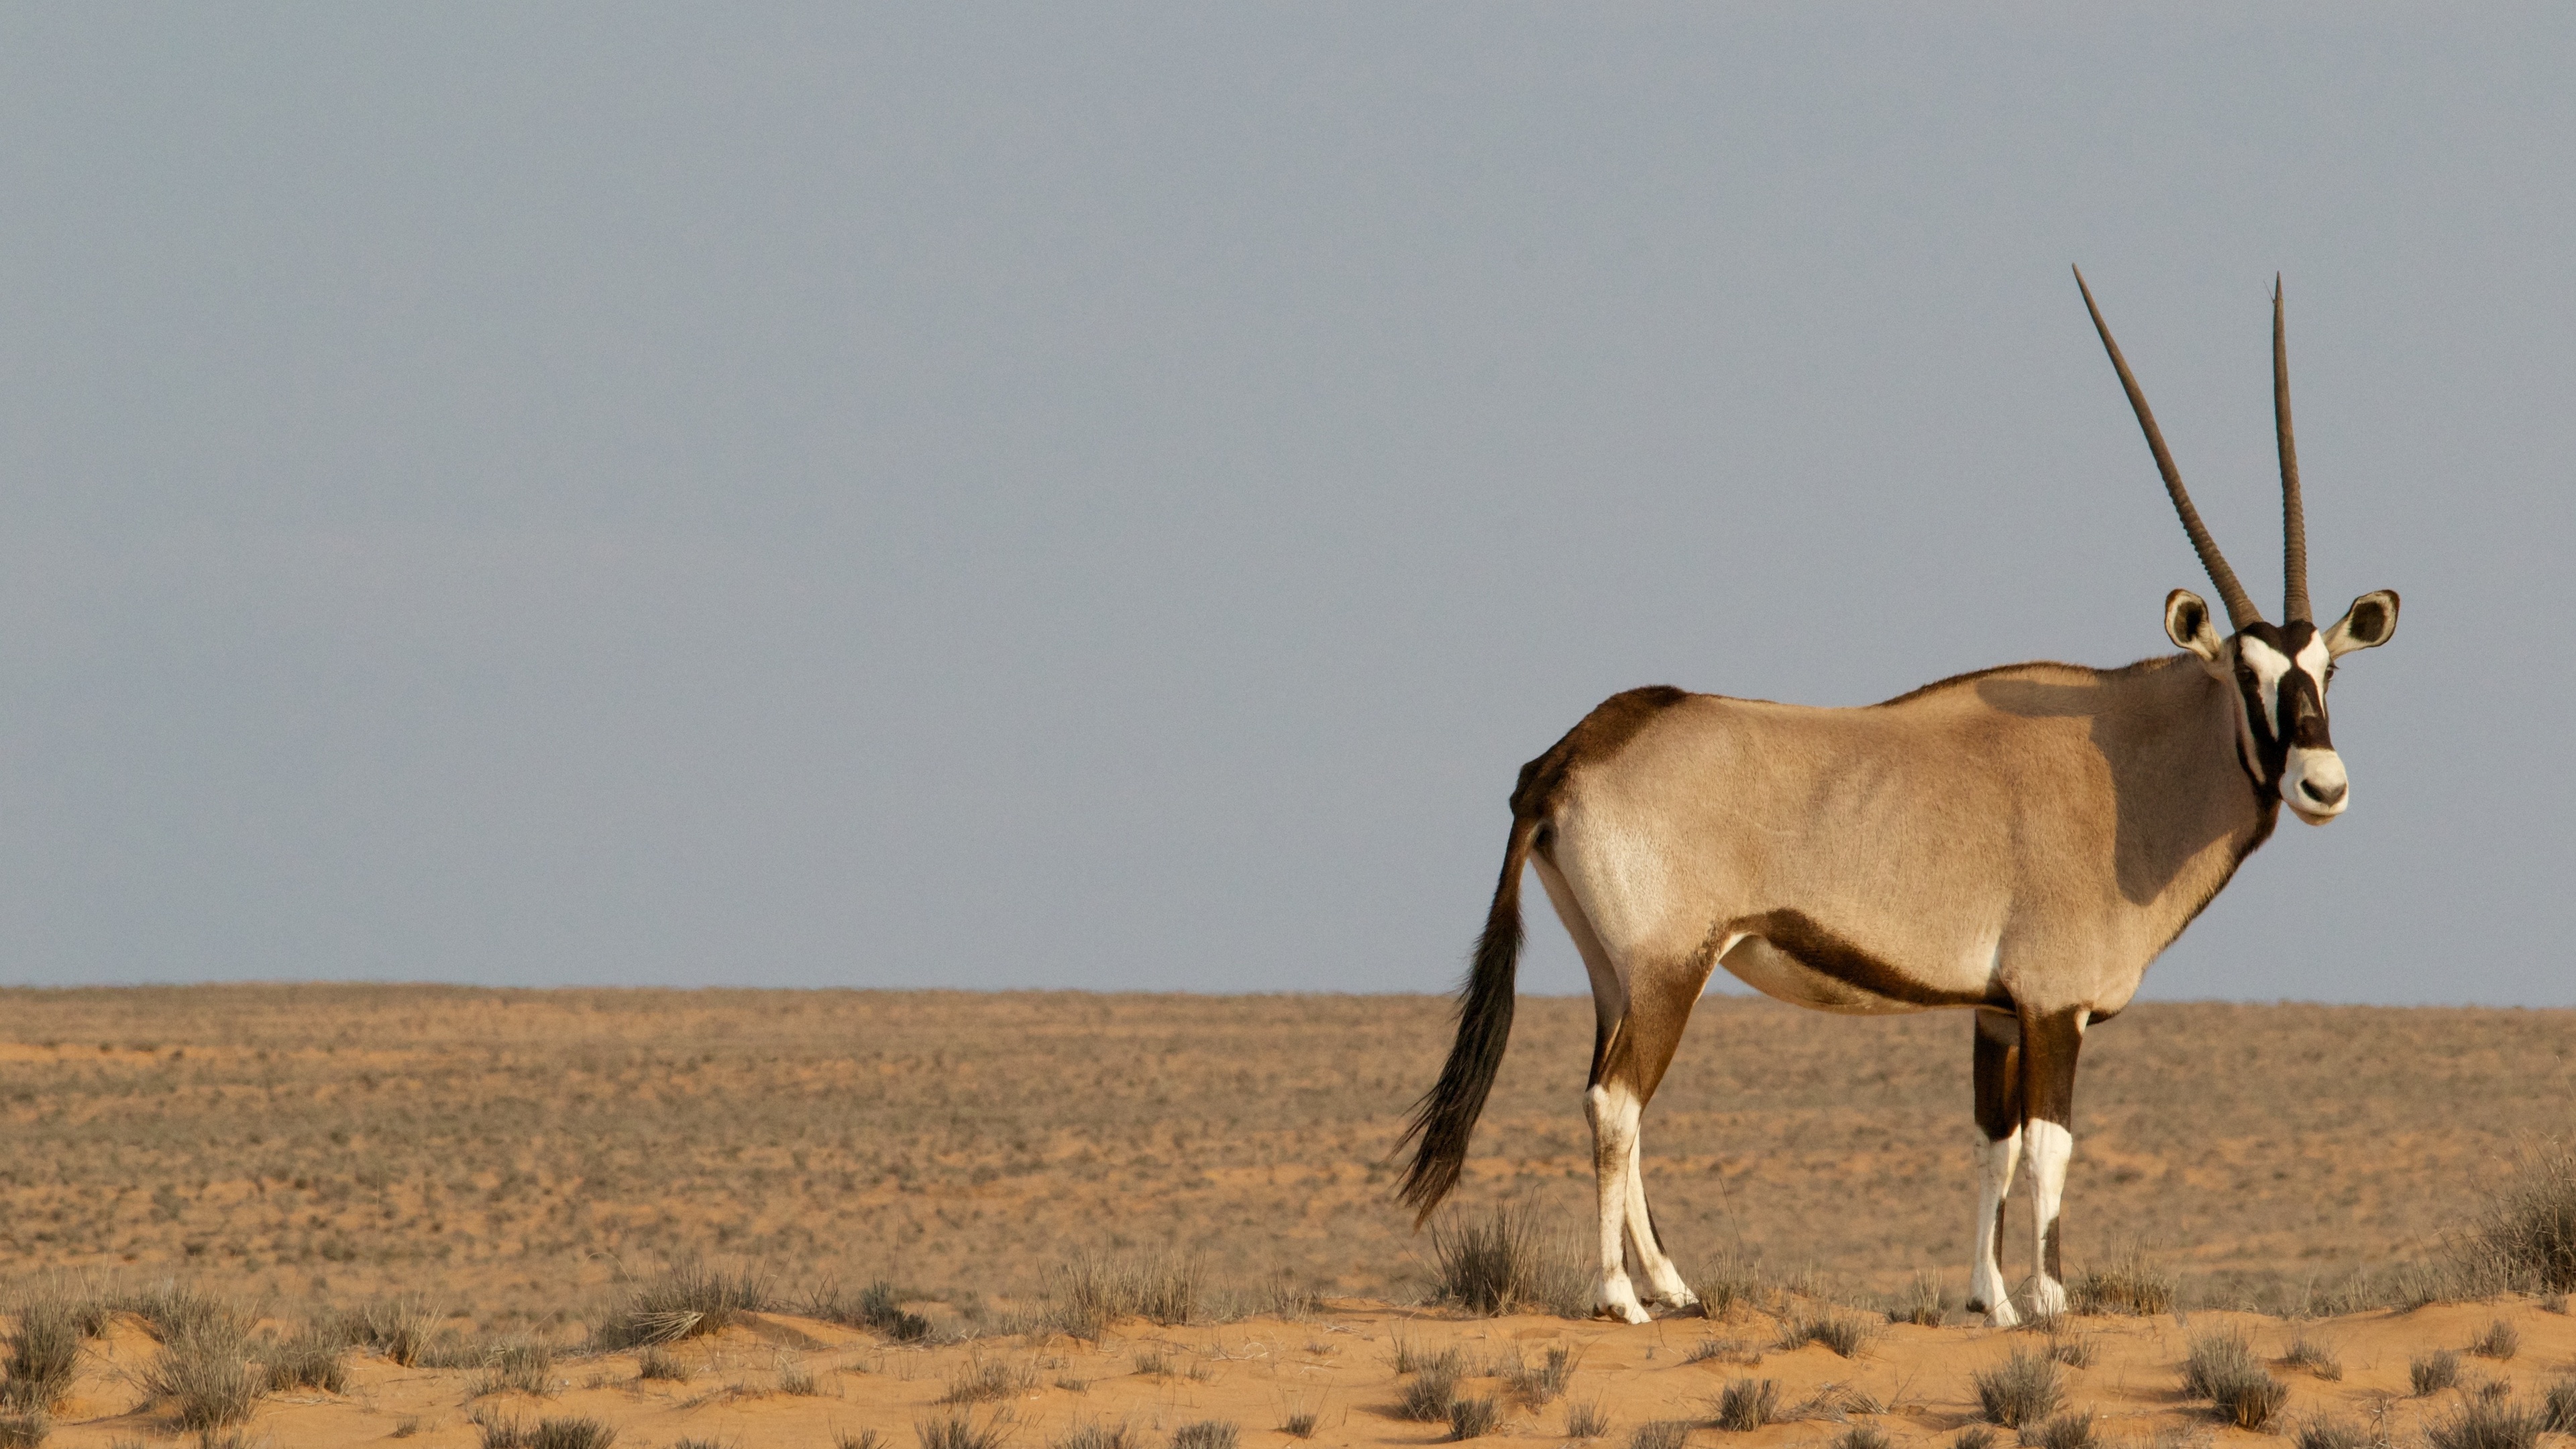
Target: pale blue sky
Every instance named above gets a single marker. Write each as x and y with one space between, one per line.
1108 497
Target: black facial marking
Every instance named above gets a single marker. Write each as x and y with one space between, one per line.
2298 714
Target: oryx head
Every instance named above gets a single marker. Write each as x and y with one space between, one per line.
2278 671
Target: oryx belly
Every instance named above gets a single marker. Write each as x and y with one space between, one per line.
1785 955
1783 977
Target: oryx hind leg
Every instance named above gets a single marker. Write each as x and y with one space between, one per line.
2050 1044
1999 1133
1625 1074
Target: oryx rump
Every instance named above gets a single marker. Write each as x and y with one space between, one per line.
2019 842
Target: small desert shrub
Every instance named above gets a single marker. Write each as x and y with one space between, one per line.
1474 1418
1841 1332
2070 1430
1282 1297
2126 1284
1094 1436
2221 1368
1299 1424
798 1381
23 1431
548 1434
1152 1364
1089 1293
959 1431
2430 1373
309 1360
169 1311
875 1309
1926 1303
1729 1282
399 1328
2324 1431
2500 1341
1862 1436
2527 1237
2315 1357
683 1300
2075 1350
660 1363
1486 1265
1587 1420
984 1380
1723 1350
2558 1408
521 1366
1975 1436
44 1348
1747 1404
1661 1434
1433 1389
864 1439
2485 1423
1538 1386
202 1369
2023 1389
1207 1434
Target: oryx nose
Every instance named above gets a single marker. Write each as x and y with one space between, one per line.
2323 794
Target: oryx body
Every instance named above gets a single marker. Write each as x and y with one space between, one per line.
2020 842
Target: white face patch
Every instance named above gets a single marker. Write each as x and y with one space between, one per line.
2269 665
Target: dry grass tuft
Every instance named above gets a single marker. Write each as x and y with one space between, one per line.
1844 1333
202 1369
1096 1436
2325 1431
2485 1422
44 1347
1474 1418
310 1360
1975 1436
877 1308
2075 1350
548 1434
1586 1420
660 1363
684 1300
2527 1237
984 1380
1747 1404
2558 1408
1507 1259
400 1328
2430 1373
2221 1368
2129 1283
24 1431
2500 1341
2070 1430
520 1366
960 1431
1926 1302
2316 1358
1091 1292
1863 1436
2023 1389
1731 1282
1433 1389
1207 1434
1300 1423
1538 1386
1662 1434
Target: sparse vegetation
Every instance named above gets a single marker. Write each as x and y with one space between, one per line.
202 1369
567 1433
2527 1238
2558 1408
877 1308
1731 1281
1586 1420
1433 1388
1090 1292
2500 1341
684 1300
2484 1421
1862 1436
1474 1418
2070 1430
1299 1423
2430 1373
1538 1385
659 1363
1747 1404
2316 1358
2325 1431
2075 1350
1926 1302
863 1439
1487 1264
1661 1434
985 1380
2129 1283
400 1328
2221 1367
1095 1436
24 1431
307 1361
2023 1389
960 1431
1843 1333
518 1366
1975 1436
1207 1434
44 1348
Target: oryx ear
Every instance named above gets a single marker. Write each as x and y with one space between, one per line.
2366 625
2187 624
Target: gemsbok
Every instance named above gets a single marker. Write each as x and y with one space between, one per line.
2020 842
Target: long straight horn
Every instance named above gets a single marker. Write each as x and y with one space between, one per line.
2240 609
2294 515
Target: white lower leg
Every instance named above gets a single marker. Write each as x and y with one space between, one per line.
1614 1137
1988 1291
2051 1147
1661 1275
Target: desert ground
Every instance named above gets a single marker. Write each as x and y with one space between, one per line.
516 1165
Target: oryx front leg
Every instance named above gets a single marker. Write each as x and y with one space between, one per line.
1614 1111
2049 1047
1999 1145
